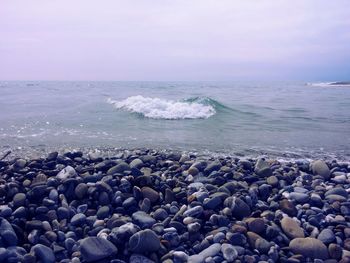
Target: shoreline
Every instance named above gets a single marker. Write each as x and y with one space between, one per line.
162 206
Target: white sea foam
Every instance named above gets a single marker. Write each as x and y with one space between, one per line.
157 108
328 84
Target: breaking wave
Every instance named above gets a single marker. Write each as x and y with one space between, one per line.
157 108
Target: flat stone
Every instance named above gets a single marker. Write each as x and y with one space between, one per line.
194 211
211 251
78 219
119 168
213 202
291 228
143 220
150 193
337 191
144 241
136 163
309 247
301 198
95 249
326 236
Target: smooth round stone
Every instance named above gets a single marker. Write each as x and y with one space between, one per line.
63 213
211 251
336 198
144 241
299 197
288 207
319 167
3 254
143 220
193 170
119 168
136 163
20 212
335 251
43 253
129 202
78 219
150 193
337 191
102 212
19 199
326 236
291 228
229 252
236 239
7 233
81 190
272 180
309 247
256 225
212 203
96 249
66 173
194 211
262 245
218 237
5 211
160 214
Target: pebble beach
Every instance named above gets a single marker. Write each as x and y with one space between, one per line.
151 206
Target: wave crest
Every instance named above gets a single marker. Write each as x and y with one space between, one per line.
157 108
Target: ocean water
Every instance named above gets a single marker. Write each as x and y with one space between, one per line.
286 119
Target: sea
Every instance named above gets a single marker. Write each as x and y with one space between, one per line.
297 120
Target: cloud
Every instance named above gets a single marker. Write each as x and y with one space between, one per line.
167 40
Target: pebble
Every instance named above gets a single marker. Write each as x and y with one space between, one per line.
144 241
319 167
229 252
151 206
96 249
43 253
309 247
291 228
326 236
143 220
150 193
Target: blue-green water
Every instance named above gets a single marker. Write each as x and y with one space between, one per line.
227 117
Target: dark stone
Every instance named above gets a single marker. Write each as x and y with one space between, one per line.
95 249
144 241
43 253
143 220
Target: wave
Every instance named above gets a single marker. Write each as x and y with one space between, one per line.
157 108
329 84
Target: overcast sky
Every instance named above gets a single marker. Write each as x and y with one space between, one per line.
174 40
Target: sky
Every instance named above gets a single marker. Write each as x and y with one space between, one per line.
175 40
